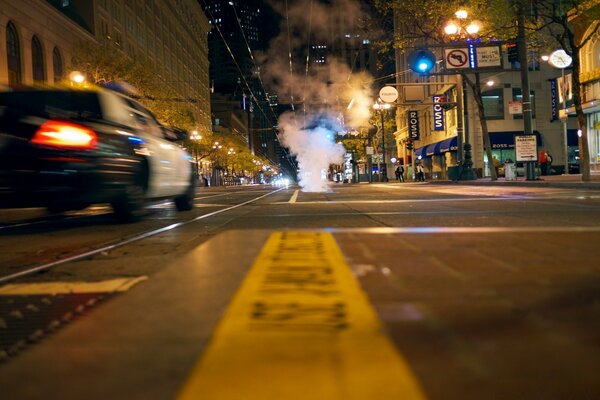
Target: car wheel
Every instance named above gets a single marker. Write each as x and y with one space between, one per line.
131 205
185 202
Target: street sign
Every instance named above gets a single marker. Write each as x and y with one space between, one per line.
526 148
388 94
457 58
488 56
370 150
473 57
515 107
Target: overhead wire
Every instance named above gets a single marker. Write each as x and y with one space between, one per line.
307 59
289 40
252 95
255 66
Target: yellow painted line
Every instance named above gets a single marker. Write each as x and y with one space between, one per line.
300 327
294 196
54 288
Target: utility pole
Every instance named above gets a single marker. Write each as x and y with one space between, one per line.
527 120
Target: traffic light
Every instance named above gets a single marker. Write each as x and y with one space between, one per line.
421 61
512 49
409 145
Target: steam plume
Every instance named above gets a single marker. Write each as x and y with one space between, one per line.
328 97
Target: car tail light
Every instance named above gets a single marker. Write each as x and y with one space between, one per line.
65 134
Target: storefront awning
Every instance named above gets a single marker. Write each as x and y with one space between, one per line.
440 147
420 152
444 89
430 149
506 140
447 145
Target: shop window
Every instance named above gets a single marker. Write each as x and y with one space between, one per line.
13 53
493 103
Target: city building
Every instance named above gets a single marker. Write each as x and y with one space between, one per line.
590 82
438 149
37 40
239 29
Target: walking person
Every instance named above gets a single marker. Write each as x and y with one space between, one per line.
400 173
420 173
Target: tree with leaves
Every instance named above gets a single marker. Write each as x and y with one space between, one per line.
572 24
103 63
421 22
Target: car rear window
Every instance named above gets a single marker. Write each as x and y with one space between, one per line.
53 104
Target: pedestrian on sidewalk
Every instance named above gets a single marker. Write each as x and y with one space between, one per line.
400 173
420 173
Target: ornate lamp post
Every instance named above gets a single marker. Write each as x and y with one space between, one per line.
459 29
382 107
560 59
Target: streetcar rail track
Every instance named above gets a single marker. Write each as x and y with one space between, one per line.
123 242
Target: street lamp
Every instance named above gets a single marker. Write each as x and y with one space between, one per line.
561 60
382 107
461 29
76 78
196 137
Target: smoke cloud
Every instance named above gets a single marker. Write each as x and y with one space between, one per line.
314 148
327 98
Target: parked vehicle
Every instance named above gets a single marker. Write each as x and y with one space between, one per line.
65 149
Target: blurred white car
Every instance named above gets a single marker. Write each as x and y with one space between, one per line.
65 149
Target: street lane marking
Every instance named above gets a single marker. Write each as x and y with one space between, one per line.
294 196
324 202
300 327
55 288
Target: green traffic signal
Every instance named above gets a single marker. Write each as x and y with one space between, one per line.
421 61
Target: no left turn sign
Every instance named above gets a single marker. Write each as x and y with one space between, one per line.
456 58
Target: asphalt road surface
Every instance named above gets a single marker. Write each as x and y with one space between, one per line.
482 291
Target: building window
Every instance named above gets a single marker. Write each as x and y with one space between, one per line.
57 65
37 60
493 103
13 53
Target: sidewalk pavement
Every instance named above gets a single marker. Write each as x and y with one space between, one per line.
565 181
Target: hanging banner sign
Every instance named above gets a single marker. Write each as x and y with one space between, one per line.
413 125
553 100
438 113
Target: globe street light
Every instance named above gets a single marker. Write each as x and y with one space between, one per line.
382 107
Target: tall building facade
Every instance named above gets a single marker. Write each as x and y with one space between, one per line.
502 99
37 40
239 29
